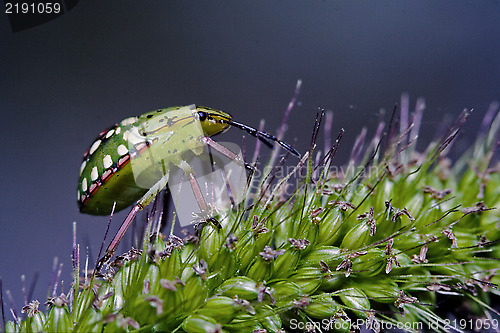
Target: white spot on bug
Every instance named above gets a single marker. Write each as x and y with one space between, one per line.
128 121
94 146
107 161
122 150
94 174
118 130
84 163
110 133
132 136
84 184
78 196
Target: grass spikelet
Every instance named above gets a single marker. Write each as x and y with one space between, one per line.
400 238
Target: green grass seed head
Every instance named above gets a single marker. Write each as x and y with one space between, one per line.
382 242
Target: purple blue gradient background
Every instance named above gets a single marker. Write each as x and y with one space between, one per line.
64 81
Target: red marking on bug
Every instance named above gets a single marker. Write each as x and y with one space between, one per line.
84 199
123 160
93 187
103 133
141 146
106 175
102 137
104 178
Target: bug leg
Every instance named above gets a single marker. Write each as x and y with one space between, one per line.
228 153
143 202
223 150
226 176
202 204
118 237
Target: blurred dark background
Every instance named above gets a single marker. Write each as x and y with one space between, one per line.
64 81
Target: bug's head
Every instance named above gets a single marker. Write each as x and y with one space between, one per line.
212 121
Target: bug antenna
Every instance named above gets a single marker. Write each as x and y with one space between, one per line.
264 137
252 131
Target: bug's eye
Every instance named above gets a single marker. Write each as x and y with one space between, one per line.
202 116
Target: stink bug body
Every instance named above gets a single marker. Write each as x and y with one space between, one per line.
151 143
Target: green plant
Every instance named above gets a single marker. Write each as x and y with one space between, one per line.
381 243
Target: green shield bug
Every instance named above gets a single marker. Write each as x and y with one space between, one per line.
130 162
